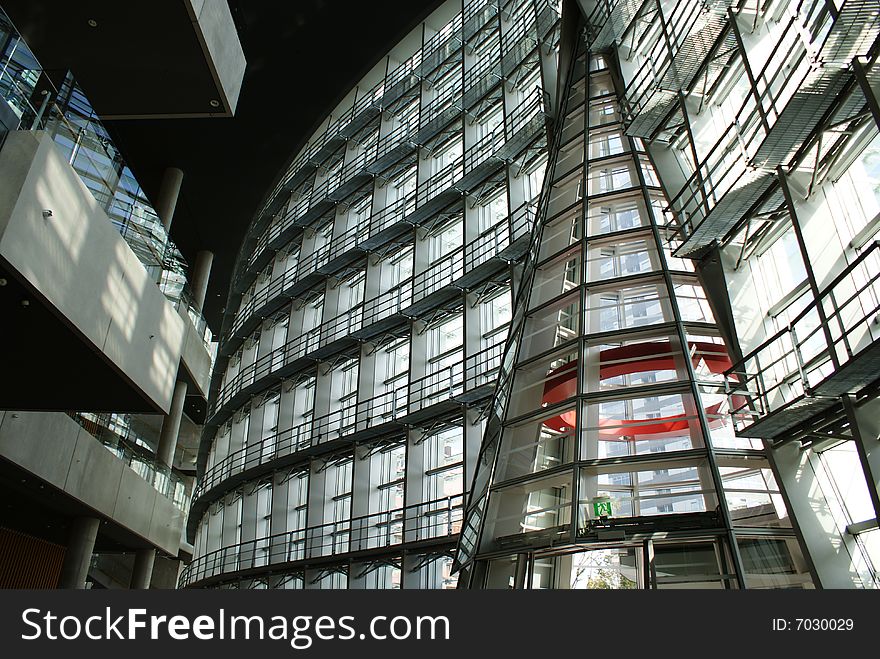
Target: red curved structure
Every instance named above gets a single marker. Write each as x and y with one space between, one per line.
636 358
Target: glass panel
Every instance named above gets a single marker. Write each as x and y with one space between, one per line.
502 573
607 142
616 214
631 363
621 258
571 156
550 326
606 569
560 233
773 563
692 566
718 414
565 193
546 381
668 488
627 306
559 276
752 494
605 177
537 444
637 426
528 507
692 301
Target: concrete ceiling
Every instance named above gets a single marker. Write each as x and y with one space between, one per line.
136 59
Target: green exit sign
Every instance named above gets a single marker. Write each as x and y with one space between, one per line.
602 507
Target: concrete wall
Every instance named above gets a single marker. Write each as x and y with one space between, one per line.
79 263
194 357
54 448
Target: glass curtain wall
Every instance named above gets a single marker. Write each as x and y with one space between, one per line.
368 311
610 438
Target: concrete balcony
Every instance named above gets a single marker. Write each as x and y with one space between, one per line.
71 474
77 298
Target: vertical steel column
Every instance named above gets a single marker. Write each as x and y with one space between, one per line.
739 571
805 255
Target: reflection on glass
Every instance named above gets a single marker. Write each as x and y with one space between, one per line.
550 326
666 488
605 569
536 445
752 494
539 505
627 306
634 426
560 275
694 565
773 563
618 214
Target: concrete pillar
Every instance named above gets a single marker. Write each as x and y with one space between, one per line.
142 571
169 190
171 426
199 277
80 546
166 572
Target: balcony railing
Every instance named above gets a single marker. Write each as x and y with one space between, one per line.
117 436
477 370
803 357
441 273
519 120
420 65
795 87
444 272
437 519
486 246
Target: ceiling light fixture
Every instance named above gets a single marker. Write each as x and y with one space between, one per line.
93 22
214 103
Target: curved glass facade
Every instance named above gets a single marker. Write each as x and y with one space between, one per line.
585 292
615 423
369 308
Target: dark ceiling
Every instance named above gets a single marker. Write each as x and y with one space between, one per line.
112 46
302 57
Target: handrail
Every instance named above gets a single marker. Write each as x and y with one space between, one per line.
517 119
130 447
725 164
443 272
476 371
436 519
375 98
801 352
520 221
827 290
